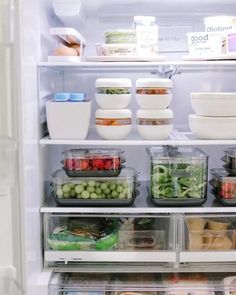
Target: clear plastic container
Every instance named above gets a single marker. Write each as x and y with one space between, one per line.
230 158
97 191
68 233
178 175
93 162
120 36
224 186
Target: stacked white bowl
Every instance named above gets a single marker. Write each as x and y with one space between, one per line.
154 119
113 119
215 115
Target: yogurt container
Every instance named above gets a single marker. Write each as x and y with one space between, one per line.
113 124
154 124
153 93
113 93
220 23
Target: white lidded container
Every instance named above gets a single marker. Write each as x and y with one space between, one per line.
220 23
154 124
213 127
214 103
152 93
113 124
113 93
68 120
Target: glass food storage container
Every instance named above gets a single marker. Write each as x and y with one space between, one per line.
223 186
95 191
178 176
154 124
113 124
72 233
113 93
230 160
153 93
120 36
93 162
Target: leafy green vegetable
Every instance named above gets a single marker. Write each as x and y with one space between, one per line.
179 180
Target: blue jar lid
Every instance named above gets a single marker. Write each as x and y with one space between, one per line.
61 96
79 96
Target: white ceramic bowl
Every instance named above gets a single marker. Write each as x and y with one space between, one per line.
68 120
154 101
113 101
213 127
154 124
214 103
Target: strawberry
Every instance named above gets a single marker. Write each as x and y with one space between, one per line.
116 163
84 164
69 164
98 163
108 165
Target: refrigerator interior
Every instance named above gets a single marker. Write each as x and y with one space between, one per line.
40 161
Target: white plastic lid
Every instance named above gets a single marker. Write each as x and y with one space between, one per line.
214 120
109 82
152 82
125 113
213 95
154 114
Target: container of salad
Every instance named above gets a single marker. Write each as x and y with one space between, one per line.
223 186
113 93
178 176
93 162
95 191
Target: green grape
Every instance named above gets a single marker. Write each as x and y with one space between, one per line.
91 183
79 188
119 189
93 196
103 196
121 196
84 183
114 194
72 193
98 191
91 189
112 186
66 195
103 186
85 194
107 191
59 193
78 196
97 184
66 188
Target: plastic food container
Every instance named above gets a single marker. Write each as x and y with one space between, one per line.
220 23
230 158
213 127
121 36
154 124
93 162
113 93
224 186
116 49
68 120
153 93
178 176
95 191
214 103
80 234
113 124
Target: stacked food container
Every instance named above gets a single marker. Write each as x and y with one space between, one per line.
215 116
113 120
94 177
178 176
154 120
224 179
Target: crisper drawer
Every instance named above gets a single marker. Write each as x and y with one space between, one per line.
77 238
208 238
142 284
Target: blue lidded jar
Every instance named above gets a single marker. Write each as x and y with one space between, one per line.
77 97
61 97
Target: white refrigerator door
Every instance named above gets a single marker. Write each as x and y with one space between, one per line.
9 202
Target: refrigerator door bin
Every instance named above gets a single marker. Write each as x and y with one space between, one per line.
79 238
208 239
